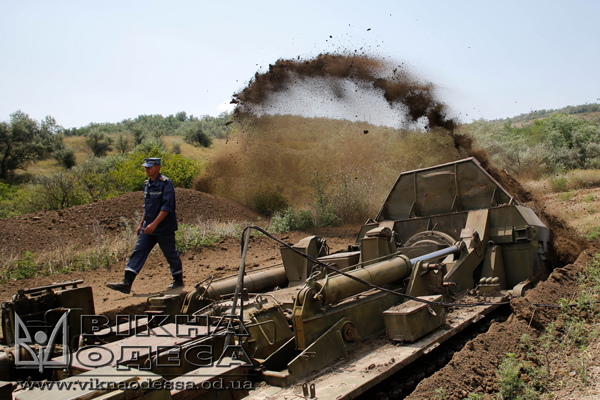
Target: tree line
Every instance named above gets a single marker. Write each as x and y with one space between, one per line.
24 140
538 114
107 173
198 131
556 144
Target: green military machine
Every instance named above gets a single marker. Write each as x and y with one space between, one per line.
448 246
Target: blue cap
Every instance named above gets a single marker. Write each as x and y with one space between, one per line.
150 162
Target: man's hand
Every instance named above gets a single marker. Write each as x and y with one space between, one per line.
150 228
138 230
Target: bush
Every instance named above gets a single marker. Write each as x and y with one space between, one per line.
176 149
98 142
289 220
130 176
206 233
15 200
57 191
197 137
24 267
593 234
270 200
95 180
151 145
510 382
122 143
65 156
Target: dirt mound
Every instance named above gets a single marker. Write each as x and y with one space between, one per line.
81 225
473 369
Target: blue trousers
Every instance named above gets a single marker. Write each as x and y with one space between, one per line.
145 244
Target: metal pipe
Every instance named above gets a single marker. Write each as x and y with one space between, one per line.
340 286
256 282
238 289
435 254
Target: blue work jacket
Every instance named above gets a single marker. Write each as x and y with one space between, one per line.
159 195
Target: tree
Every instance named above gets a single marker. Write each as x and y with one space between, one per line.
137 130
21 142
122 143
98 143
181 116
196 137
65 156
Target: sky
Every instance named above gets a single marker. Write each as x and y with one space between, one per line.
106 61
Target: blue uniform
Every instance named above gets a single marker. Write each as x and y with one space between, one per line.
159 195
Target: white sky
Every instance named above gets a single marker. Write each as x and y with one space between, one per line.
104 61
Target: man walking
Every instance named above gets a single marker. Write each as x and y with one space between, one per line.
158 225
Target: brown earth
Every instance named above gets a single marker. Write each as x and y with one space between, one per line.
221 259
44 231
80 225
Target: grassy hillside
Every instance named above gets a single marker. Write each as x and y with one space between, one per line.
584 111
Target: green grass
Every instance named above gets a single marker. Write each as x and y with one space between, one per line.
205 233
593 234
567 196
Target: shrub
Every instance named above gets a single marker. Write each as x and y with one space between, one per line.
15 200
567 196
95 179
57 191
270 200
176 148
351 200
65 156
130 176
98 142
196 137
122 143
25 267
510 382
289 220
324 211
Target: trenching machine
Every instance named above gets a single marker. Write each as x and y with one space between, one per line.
449 245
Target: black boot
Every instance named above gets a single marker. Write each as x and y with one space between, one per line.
177 282
125 285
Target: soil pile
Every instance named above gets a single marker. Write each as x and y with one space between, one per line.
81 225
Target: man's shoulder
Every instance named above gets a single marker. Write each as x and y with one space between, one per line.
164 178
